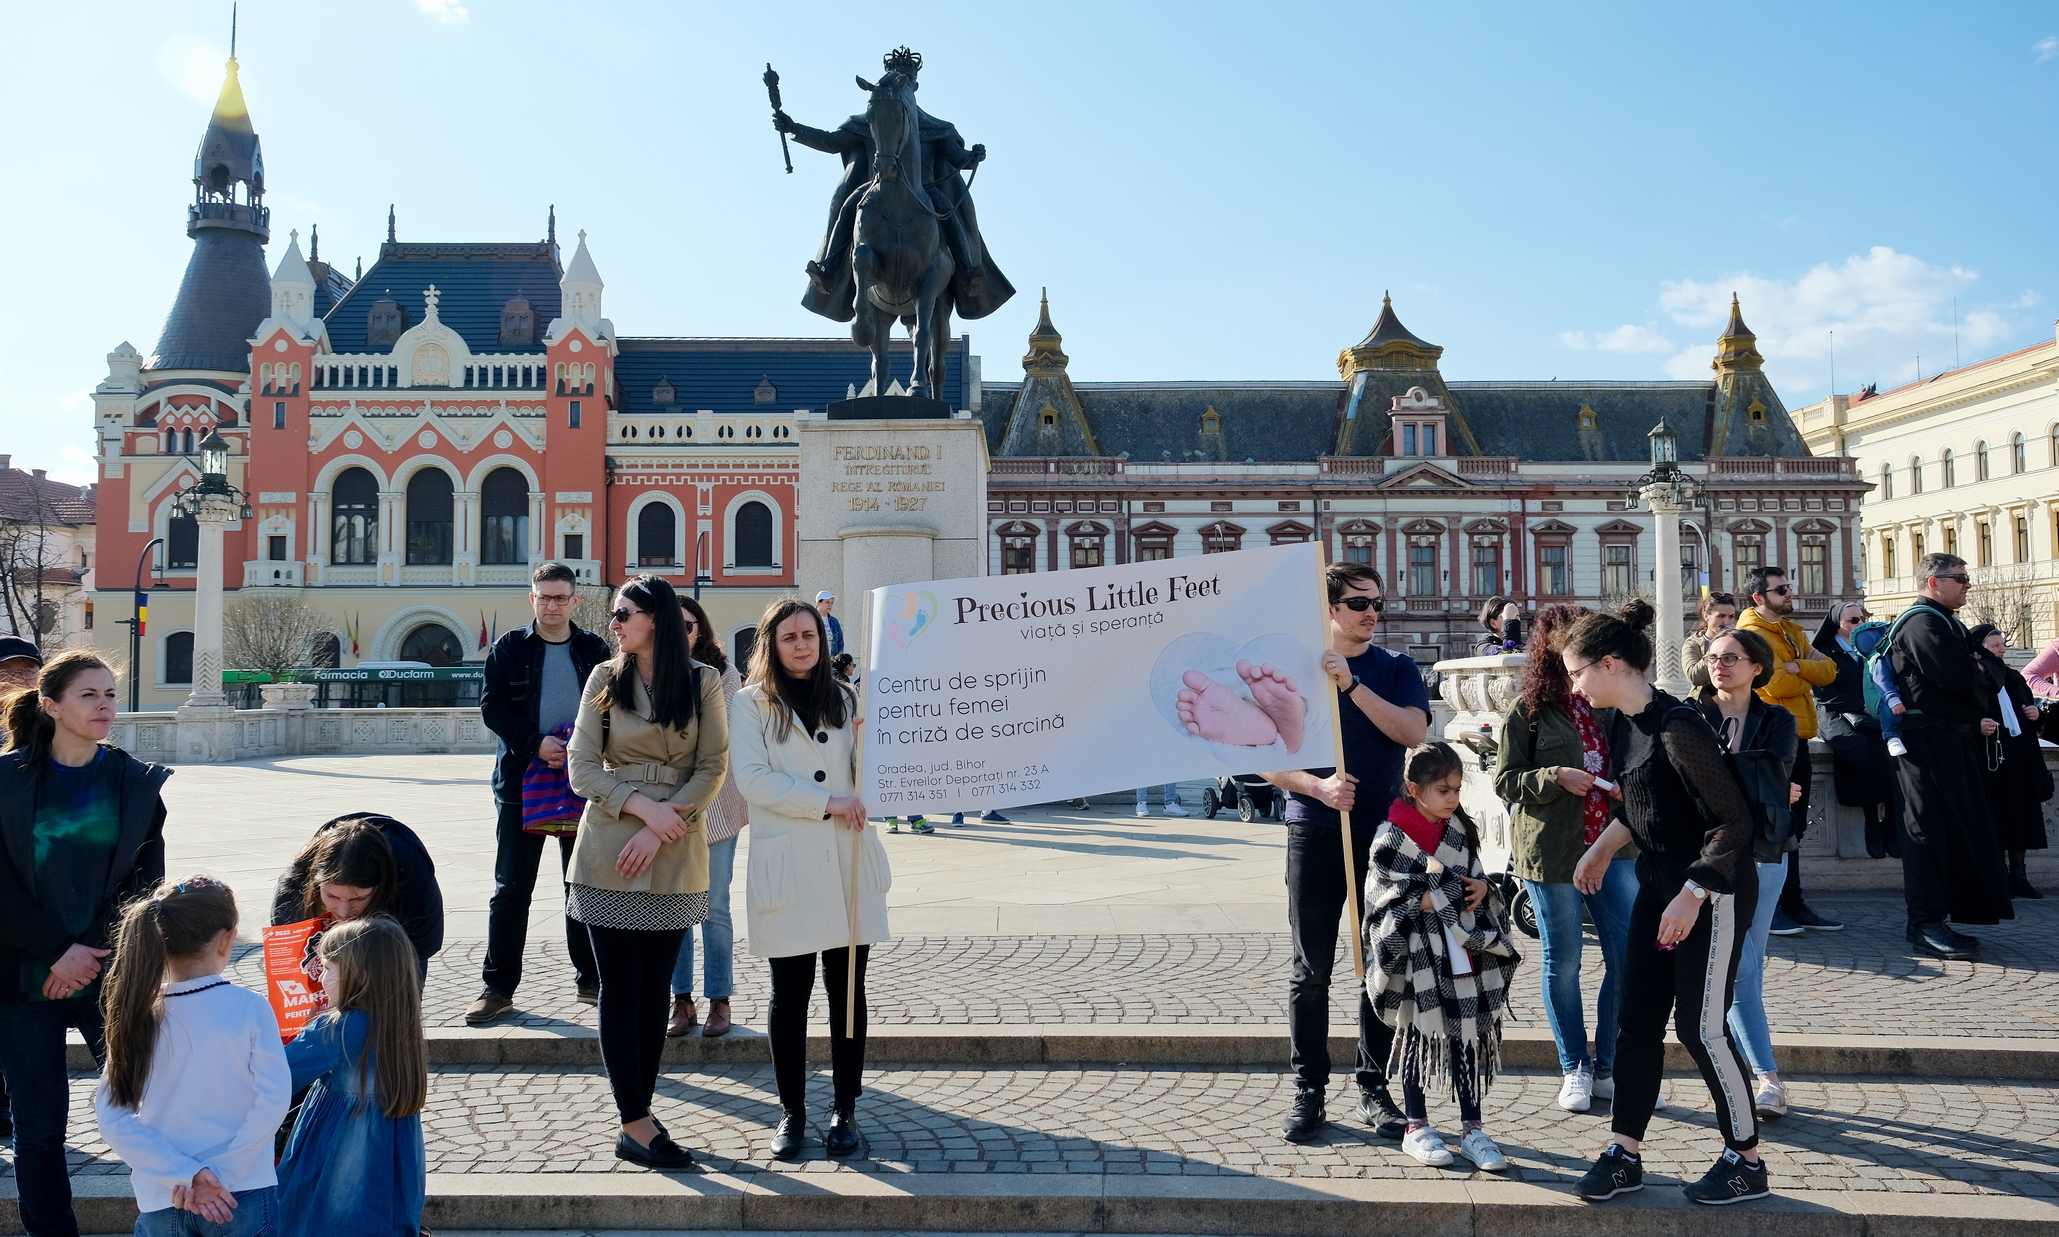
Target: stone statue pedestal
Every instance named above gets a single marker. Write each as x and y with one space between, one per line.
885 502
889 408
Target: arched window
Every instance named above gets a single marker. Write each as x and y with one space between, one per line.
1915 474
354 528
429 518
743 642
326 651
1951 470
504 517
432 643
1980 461
182 543
2018 455
754 535
178 657
656 532
1887 483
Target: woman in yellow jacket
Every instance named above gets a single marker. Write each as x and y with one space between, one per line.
1800 669
649 752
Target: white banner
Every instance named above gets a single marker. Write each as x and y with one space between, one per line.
1005 690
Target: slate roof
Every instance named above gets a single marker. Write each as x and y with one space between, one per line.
722 374
1270 422
226 292
1541 420
21 492
1389 329
473 282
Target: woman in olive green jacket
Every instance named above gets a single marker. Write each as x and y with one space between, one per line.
1552 750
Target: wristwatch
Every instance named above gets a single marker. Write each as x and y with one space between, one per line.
1355 685
1698 892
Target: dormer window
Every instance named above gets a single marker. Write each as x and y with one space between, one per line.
664 393
518 322
1211 422
1757 411
1588 418
384 323
765 392
1048 417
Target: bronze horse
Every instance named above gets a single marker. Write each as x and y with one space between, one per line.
901 265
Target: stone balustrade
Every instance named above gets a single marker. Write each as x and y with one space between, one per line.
288 725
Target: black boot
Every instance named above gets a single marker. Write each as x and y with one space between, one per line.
843 1138
1876 834
2019 882
791 1135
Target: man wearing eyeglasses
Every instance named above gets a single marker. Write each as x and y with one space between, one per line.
534 675
1383 710
1952 863
1802 668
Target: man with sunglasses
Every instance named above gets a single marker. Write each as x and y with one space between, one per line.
534 676
1801 670
1383 710
1952 862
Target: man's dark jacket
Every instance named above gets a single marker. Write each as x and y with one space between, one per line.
513 694
1940 682
29 935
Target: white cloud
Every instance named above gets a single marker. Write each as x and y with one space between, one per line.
2046 48
1626 338
445 11
192 66
1886 308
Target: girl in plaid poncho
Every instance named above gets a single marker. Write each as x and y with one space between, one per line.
1439 955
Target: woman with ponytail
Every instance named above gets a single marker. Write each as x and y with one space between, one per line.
81 836
1696 894
196 1079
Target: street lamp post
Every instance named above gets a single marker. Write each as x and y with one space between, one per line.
135 624
211 503
1669 492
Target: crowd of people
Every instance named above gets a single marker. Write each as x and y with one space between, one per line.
1672 825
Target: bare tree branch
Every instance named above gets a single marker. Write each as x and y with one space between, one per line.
273 634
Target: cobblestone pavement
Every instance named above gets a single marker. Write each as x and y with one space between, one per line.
1912 1135
1862 981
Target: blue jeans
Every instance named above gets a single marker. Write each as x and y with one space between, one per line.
256 1215
1558 927
718 934
1748 1001
32 1058
1168 795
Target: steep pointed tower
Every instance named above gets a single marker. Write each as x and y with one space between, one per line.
1384 366
1047 418
226 291
1747 417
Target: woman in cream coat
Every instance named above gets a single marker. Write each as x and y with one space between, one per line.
794 747
648 753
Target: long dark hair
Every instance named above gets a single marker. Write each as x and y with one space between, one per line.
351 851
1620 635
819 697
707 647
672 686
28 726
175 921
1544 684
369 966
1433 762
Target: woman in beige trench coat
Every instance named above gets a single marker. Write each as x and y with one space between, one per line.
648 753
794 744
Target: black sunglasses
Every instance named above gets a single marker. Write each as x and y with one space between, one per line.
1781 590
1958 579
622 614
1363 604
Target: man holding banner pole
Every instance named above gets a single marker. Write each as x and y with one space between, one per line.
1383 711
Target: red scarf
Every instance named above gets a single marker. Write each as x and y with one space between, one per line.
1594 754
1421 830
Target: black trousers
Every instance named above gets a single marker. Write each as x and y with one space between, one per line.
793 981
1315 901
1951 862
1798 813
636 996
516 857
1693 983
32 1061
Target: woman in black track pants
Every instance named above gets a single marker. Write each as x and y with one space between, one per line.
1695 899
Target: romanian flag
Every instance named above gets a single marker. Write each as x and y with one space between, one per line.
350 627
482 631
142 611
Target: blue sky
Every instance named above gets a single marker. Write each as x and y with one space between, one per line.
1209 191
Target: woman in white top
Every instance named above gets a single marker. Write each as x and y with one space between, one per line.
726 817
794 754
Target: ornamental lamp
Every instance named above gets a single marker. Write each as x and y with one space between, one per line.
1665 445
214 462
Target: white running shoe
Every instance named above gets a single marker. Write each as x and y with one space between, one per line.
1143 809
1174 809
1576 1093
1605 1088
1659 1104
1895 747
1428 1147
1480 1149
1770 1100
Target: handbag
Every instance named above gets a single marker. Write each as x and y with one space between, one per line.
548 804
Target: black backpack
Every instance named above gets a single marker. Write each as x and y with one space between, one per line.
1762 779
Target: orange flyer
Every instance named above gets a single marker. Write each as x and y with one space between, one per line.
293 974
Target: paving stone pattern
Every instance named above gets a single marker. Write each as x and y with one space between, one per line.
1864 980
1911 1135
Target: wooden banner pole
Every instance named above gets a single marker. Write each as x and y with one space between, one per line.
1358 949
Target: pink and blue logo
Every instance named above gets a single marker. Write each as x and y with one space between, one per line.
909 615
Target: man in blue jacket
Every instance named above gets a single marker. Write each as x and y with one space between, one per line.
534 678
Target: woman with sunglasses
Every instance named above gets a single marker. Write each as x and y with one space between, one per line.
1862 772
1696 894
648 754
795 731
727 816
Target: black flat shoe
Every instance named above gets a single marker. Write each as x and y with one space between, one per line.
791 1135
663 1154
2019 884
843 1138
1937 940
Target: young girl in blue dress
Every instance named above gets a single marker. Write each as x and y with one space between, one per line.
354 1163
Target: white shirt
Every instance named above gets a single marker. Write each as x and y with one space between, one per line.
217 1091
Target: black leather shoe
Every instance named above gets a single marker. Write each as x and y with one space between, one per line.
1306 1119
843 1138
1376 1108
1937 940
663 1154
2019 884
1959 938
791 1135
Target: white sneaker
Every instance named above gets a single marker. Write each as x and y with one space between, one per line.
1576 1093
1143 809
1659 1104
1480 1149
1895 747
1428 1147
1604 1088
1174 809
1770 1100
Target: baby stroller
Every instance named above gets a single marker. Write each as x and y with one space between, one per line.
1250 794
